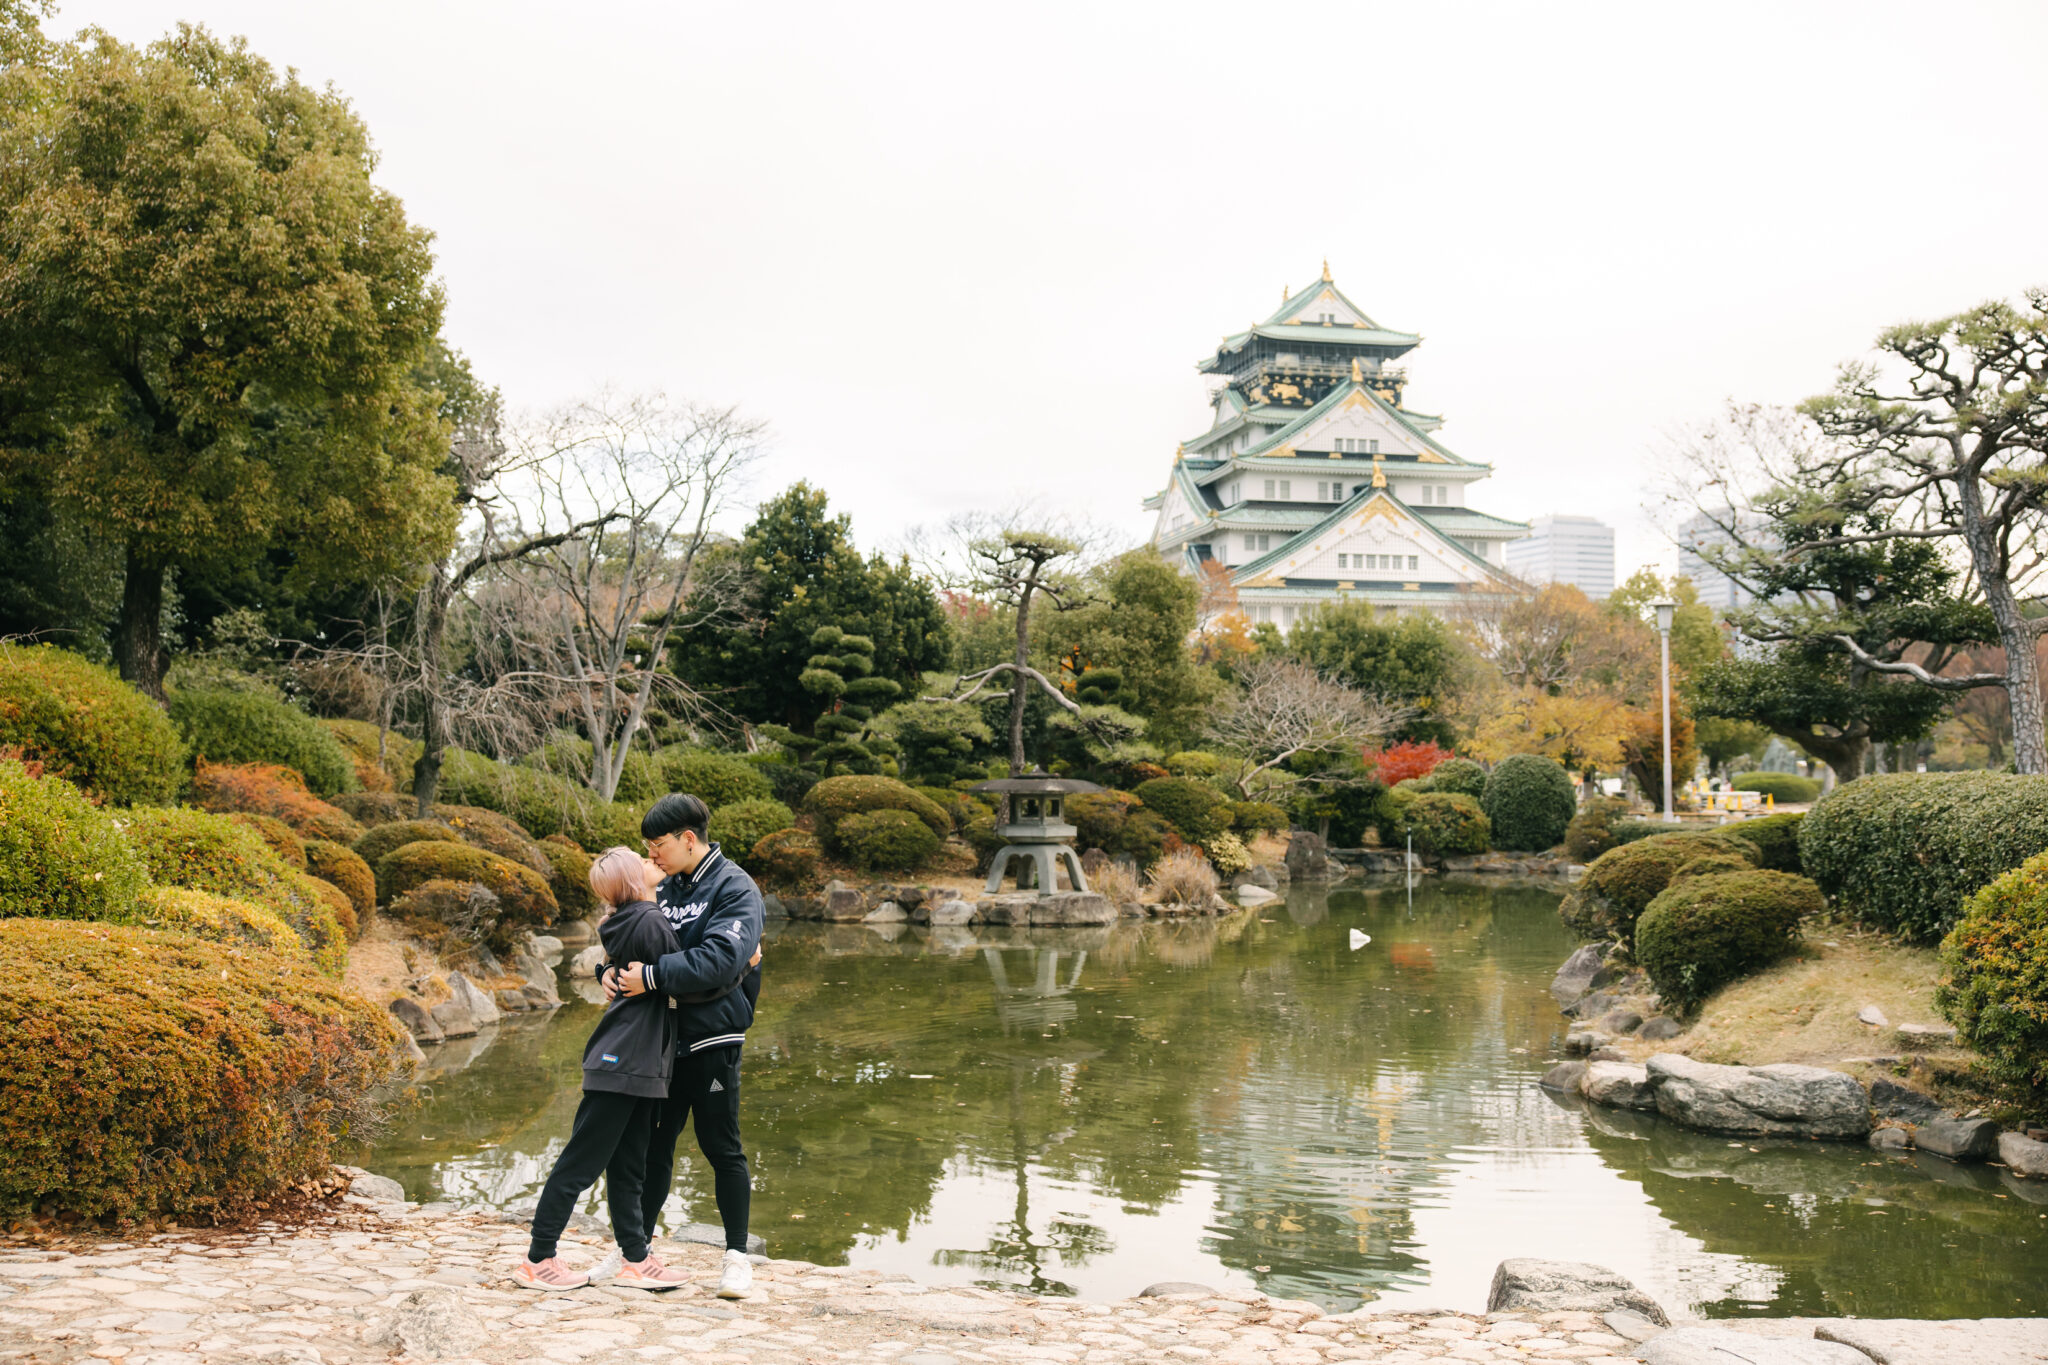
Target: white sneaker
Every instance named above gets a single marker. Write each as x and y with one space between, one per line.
737 1279
608 1268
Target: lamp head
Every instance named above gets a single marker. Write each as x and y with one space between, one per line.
1664 610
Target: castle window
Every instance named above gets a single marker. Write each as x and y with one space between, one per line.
1286 489
1428 494
1413 563
1322 492
1443 494
1343 561
1269 488
1253 544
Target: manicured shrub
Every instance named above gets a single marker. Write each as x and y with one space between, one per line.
1390 812
981 836
1257 817
960 806
888 841
1776 839
205 852
1459 777
1713 865
499 834
527 901
1589 834
341 866
786 860
1447 825
1778 786
1904 851
1620 884
359 740
453 911
370 809
1994 984
836 798
61 857
222 725
1143 837
569 876
1703 932
745 823
1192 763
1184 878
211 1079
87 726
715 779
342 908
275 833
384 838
270 789
1196 810
218 919
1629 831
1098 818
1227 853
1530 800
538 802
788 782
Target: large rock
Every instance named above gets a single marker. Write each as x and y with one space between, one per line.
585 964
1890 1100
1575 977
1259 875
364 1185
1958 1139
772 906
1905 1341
1890 1139
841 904
1251 897
1308 857
1618 1085
1923 1036
1659 1029
1780 1100
511 1001
1621 1021
1564 1077
952 912
888 912
418 1022
1166 1288
455 1020
481 1006
2023 1156
430 1324
1526 1284
547 948
1073 907
1725 1346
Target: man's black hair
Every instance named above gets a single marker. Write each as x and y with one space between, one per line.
674 813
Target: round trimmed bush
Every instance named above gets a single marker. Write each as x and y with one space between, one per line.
527 901
1778 786
61 857
499 834
1589 834
569 876
833 800
341 906
359 740
442 908
1630 831
1712 865
786 860
1447 824
1196 810
1530 800
218 919
715 779
205 852
222 725
1775 838
960 806
746 823
888 840
1228 855
1192 763
370 809
1143 837
1098 816
341 866
274 790
1903 851
1390 811
216 1077
1703 932
275 833
1256 817
1620 884
1460 777
384 838
87 726
1994 984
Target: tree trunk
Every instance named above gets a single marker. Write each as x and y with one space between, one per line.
139 637
426 774
2022 680
1019 679
1843 754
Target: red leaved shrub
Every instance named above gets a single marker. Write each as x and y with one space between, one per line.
271 789
1399 762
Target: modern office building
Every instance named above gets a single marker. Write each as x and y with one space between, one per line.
1566 549
1704 533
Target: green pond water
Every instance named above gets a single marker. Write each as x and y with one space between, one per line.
1249 1102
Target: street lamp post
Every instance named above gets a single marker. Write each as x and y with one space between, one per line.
1664 612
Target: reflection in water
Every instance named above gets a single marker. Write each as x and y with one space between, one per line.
1244 1101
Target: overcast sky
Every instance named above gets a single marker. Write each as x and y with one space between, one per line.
957 252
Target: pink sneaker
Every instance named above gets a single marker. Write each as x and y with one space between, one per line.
550 1275
649 1274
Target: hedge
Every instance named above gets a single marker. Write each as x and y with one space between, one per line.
1776 839
1530 800
218 919
344 868
207 1081
370 809
887 840
715 779
384 838
540 803
528 902
274 790
61 857
495 833
1704 932
204 852
1196 810
836 798
743 824
1778 786
1620 884
960 806
1257 817
1590 832
1098 818
569 876
786 860
1447 824
1903 851
1459 777
1994 984
275 833
226 726
87 726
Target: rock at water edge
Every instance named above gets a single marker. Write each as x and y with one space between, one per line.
417 1021
1659 1029
842 904
1780 1100
952 912
454 1020
431 1324
1527 1284
547 948
2023 1155
1894 1101
1251 897
772 906
1958 1139
888 912
1168 1287
481 1007
588 961
364 1185
1966 1341
711 1235
1618 1085
511 1001
1722 1346
1621 1021
1575 977
1564 1077
1890 1139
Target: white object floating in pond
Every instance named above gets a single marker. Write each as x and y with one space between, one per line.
1359 939
915 1077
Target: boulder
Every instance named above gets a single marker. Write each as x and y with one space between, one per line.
540 981
772 906
1891 1100
1890 1139
1659 1029
481 1007
888 912
1526 1284
1072 907
1618 1085
711 1235
1259 875
1579 1042
1958 1139
1725 1346
418 1022
1575 977
1922 1036
430 1324
512 1001
1608 1054
2023 1155
1621 1021
455 1020
841 904
544 997
576 932
586 963
364 1185
1907 1341
1308 857
1625 1322
1169 1287
1782 1100
951 912
547 948
1873 1016
1564 1077
1252 897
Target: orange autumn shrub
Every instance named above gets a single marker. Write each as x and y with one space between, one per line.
274 790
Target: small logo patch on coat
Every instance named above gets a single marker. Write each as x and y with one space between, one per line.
715 1086
611 1057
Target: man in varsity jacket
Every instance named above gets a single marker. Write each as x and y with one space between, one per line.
714 980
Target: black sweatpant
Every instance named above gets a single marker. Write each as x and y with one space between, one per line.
609 1138
706 1085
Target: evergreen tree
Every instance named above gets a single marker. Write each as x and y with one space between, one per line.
842 676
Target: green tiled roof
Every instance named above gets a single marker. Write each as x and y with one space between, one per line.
1461 518
1307 294
1337 396
1240 572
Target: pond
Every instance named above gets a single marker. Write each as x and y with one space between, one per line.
1250 1101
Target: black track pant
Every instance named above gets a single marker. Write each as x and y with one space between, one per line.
610 1139
706 1086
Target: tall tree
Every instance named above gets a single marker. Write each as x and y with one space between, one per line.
1415 660
1140 616
208 318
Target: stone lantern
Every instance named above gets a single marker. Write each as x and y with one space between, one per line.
1037 830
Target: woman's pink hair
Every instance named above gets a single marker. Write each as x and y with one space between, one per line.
618 876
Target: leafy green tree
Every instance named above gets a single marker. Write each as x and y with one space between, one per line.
802 573
1140 617
257 306
842 676
1413 660
1696 638
936 741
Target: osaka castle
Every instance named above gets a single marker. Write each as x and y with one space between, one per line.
1314 483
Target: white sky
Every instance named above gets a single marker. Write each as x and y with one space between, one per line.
951 251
